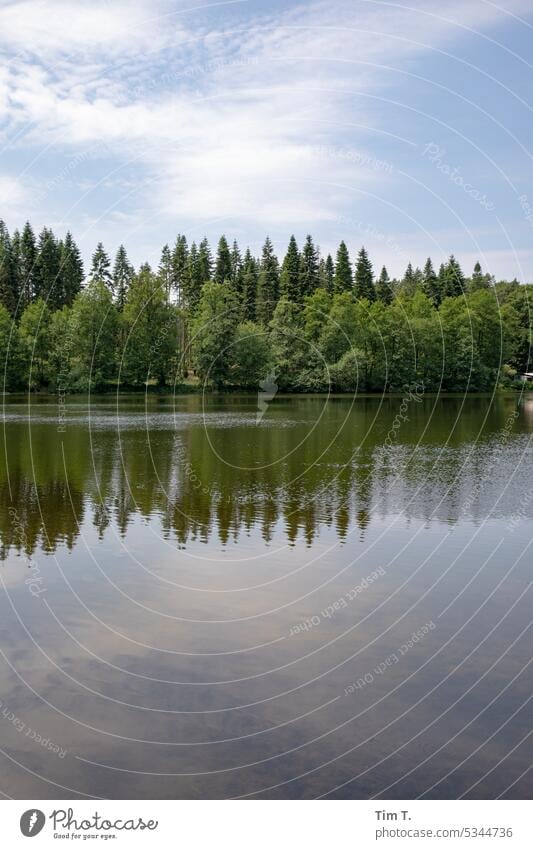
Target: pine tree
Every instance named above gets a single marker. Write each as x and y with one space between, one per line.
71 270
181 272
290 273
205 261
343 271
309 261
123 274
430 284
28 269
384 288
47 282
100 266
8 272
268 284
223 262
249 287
364 277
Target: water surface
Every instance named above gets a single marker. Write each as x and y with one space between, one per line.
330 599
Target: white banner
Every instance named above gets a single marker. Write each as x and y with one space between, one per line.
267 824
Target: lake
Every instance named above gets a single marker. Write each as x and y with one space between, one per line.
207 597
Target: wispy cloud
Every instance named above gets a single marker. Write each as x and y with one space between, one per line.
218 112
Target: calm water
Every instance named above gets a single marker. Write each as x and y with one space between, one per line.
198 603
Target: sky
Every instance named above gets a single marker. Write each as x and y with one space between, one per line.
404 127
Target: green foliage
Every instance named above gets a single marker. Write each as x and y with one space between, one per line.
213 333
223 266
34 332
250 356
268 284
151 337
228 322
290 273
364 277
122 276
94 324
343 281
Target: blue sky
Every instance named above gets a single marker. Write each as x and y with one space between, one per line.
403 127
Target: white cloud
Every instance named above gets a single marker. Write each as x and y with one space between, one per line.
238 136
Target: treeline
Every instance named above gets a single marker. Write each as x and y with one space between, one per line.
230 319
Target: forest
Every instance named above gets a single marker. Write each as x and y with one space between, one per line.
228 320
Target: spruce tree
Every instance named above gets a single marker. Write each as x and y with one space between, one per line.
430 284
249 287
268 284
326 274
8 272
236 269
290 273
454 281
408 284
478 279
100 268
17 276
223 262
165 271
194 280
205 261
309 261
364 277
181 272
71 270
343 281
123 274
384 288
47 282
28 269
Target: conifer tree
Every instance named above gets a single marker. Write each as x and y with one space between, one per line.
384 288
236 269
290 273
430 284
17 277
309 261
181 271
249 287
268 284
343 271
194 280
205 261
165 271
28 269
408 284
223 262
71 270
364 277
100 268
47 281
8 272
478 279
123 274
454 281
326 274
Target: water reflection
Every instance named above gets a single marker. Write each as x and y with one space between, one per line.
204 467
195 605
